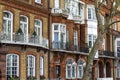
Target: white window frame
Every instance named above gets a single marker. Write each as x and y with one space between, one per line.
79 72
61 29
57 3
38 1
92 13
71 76
76 38
71 66
81 64
41 66
33 65
37 31
118 70
24 23
11 64
103 44
8 19
93 38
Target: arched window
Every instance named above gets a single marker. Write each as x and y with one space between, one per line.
24 26
80 68
41 65
70 69
12 65
30 65
38 29
8 24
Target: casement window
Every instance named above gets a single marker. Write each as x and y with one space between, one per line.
91 13
70 69
24 26
80 9
56 4
118 70
118 48
91 40
74 7
103 44
12 65
41 65
38 29
8 24
38 1
80 69
30 65
75 40
59 35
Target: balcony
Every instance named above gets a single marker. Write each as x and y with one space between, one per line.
77 19
24 40
68 47
59 45
106 53
84 49
104 78
59 11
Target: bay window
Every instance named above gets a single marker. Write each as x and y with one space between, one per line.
12 65
59 35
91 13
74 7
30 65
8 25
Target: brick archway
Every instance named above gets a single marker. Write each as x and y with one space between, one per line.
108 69
101 69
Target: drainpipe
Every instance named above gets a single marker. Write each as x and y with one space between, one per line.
49 39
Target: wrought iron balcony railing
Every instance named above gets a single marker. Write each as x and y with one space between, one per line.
84 49
22 39
106 53
58 45
68 47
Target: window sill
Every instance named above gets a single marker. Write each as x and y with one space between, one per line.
38 3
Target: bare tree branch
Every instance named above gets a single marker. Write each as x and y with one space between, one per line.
113 23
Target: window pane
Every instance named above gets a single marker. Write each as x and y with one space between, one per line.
41 65
73 71
31 65
68 71
89 13
12 65
55 27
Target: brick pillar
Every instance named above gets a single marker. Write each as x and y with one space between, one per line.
2 66
38 66
23 67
